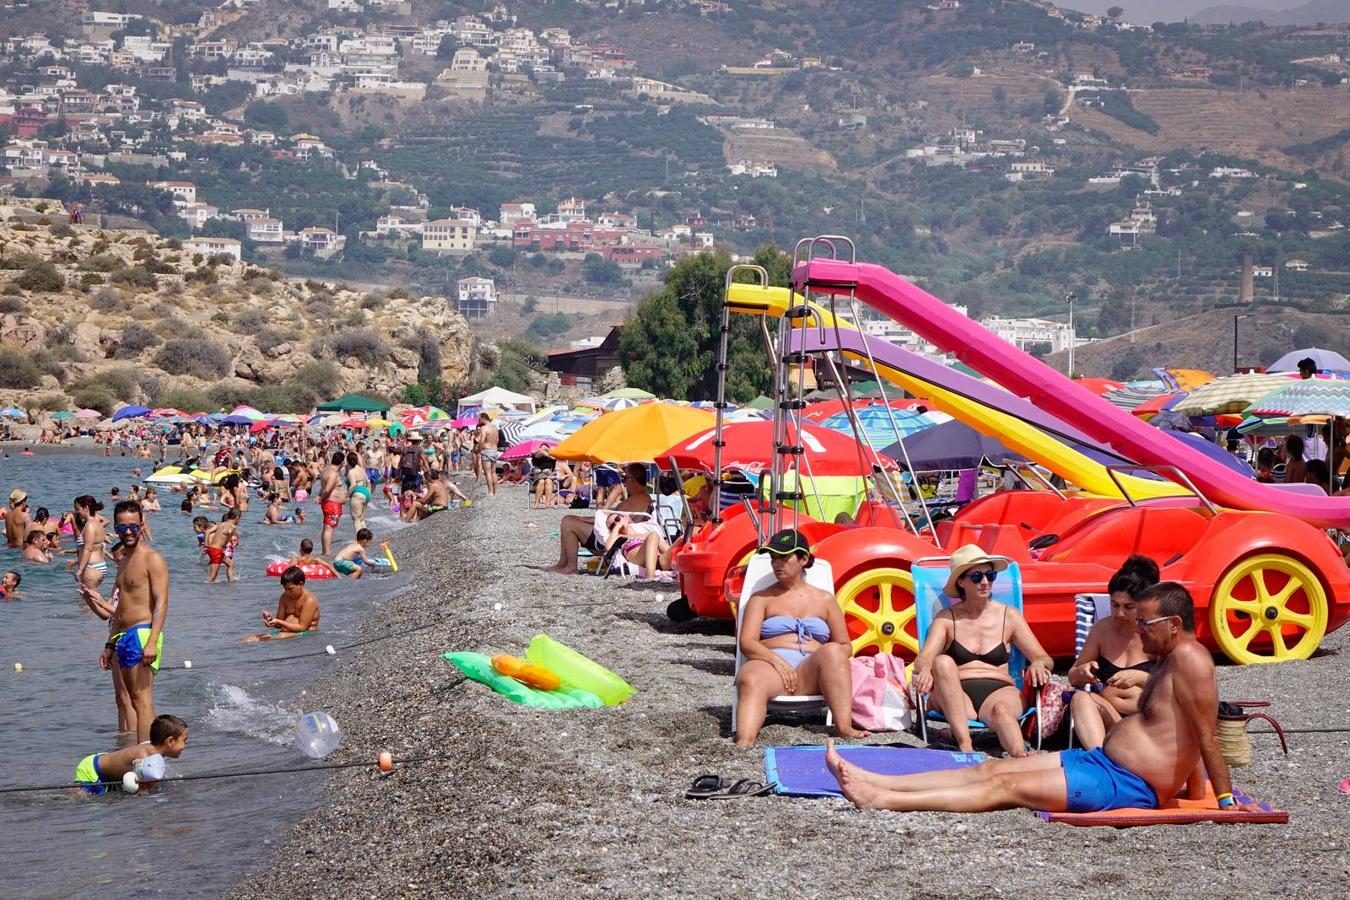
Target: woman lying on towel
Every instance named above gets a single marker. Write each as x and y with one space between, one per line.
966 683
1113 658
794 641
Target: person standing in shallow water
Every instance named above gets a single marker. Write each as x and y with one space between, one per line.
137 624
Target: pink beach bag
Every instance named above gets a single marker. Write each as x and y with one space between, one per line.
880 698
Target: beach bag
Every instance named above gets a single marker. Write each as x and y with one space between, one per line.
880 698
1053 703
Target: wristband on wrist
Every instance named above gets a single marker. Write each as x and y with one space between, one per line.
1225 800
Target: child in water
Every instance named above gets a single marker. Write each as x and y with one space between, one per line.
168 738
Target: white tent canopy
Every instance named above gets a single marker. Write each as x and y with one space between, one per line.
498 397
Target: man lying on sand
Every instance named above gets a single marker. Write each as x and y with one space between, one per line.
168 738
297 610
1146 759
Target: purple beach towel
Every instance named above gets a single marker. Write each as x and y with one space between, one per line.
801 772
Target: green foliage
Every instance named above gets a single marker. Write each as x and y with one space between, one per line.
1117 105
414 395
136 339
362 343
41 277
548 325
136 277
186 399
94 396
200 357
17 370
512 364
503 257
598 270
669 346
250 321
12 305
262 114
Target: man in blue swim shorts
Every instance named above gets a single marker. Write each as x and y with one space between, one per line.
138 623
1147 758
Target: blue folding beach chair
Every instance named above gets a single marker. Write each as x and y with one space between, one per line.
930 575
1089 609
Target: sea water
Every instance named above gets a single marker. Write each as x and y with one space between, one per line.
184 839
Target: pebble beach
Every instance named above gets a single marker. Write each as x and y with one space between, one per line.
533 803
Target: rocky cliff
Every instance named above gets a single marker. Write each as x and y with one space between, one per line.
89 315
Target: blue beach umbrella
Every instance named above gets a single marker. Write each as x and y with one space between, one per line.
63 415
12 412
876 424
130 412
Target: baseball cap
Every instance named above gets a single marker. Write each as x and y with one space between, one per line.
785 543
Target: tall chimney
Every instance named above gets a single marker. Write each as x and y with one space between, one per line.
1247 292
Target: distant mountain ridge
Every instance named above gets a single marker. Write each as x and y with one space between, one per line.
1310 13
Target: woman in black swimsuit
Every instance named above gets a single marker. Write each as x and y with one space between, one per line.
1113 659
966 684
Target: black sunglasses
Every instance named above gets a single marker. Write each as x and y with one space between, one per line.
977 577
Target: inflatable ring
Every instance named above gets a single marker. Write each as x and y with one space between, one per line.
1267 608
311 570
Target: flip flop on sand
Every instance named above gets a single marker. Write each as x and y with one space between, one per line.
744 788
705 786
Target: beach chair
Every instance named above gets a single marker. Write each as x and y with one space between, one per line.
758 576
930 575
1089 609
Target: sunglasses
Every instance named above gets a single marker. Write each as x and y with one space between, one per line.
127 528
1146 624
977 577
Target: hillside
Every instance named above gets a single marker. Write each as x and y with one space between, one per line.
1205 341
93 317
1311 13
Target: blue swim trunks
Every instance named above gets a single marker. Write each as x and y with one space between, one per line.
1095 783
130 646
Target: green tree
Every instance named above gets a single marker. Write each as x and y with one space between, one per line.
263 114
598 270
670 345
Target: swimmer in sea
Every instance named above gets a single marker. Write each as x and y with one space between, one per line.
297 610
9 585
274 515
35 548
217 539
99 771
90 565
200 526
150 503
307 557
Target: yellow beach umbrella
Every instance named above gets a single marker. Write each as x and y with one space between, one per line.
635 434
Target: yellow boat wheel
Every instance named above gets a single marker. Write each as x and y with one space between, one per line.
1268 608
878 607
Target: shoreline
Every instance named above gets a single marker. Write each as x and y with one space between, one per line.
589 802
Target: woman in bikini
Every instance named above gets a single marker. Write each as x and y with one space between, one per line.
795 641
358 490
1113 659
90 564
966 683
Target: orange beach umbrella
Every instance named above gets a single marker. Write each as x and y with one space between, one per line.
634 434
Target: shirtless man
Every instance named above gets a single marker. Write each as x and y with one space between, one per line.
297 610
137 624
1146 759
217 539
437 498
485 444
35 548
575 531
16 521
332 497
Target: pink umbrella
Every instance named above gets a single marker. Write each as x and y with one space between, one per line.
88 414
464 421
525 449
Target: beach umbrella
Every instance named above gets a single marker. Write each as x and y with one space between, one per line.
1158 403
876 422
1311 397
130 412
611 404
1269 425
1130 398
12 412
511 432
951 445
634 434
1099 386
627 393
233 419
762 403
1232 394
413 420
63 415
526 448
1183 379
89 415
1326 360
749 448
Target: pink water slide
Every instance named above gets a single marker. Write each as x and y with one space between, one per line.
1028 377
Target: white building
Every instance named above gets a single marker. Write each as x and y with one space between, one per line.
184 192
215 246
475 297
1024 333
511 213
265 230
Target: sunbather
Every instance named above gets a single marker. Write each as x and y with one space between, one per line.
1113 657
578 531
644 543
795 642
1147 759
966 684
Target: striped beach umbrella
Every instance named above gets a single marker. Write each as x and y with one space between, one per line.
876 424
1230 395
1313 397
1130 398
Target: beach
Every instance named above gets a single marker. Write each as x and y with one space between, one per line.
532 803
